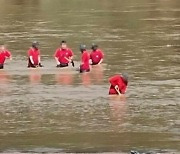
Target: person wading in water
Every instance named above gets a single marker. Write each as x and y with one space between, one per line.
63 55
4 54
34 58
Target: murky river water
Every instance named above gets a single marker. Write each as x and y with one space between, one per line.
60 110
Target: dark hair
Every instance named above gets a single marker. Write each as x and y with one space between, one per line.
94 46
63 41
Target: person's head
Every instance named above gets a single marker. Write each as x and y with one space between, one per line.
125 77
94 47
2 47
35 44
82 47
63 44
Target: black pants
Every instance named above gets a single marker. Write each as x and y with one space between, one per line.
82 71
30 64
94 63
1 66
62 65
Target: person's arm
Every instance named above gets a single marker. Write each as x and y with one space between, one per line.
56 57
39 59
57 60
8 55
100 61
70 57
102 57
117 89
31 59
90 59
70 60
10 58
123 89
82 59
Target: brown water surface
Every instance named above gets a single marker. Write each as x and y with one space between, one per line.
60 110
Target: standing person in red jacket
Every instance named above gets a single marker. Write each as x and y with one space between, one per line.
84 66
4 54
63 55
96 55
34 58
118 84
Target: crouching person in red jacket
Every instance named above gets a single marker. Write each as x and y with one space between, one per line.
118 84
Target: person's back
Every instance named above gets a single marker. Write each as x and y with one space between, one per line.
118 84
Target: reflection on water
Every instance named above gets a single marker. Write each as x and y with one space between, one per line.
49 109
118 107
97 73
95 76
64 77
86 79
35 75
4 82
4 77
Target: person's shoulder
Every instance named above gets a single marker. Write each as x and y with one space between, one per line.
7 51
114 77
117 76
58 50
100 50
30 49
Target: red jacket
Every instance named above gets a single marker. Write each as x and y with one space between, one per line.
62 54
85 61
96 56
119 81
35 53
3 55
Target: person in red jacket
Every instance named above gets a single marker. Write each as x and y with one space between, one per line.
34 59
96 55
63 55
84 66
118 84
4 54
